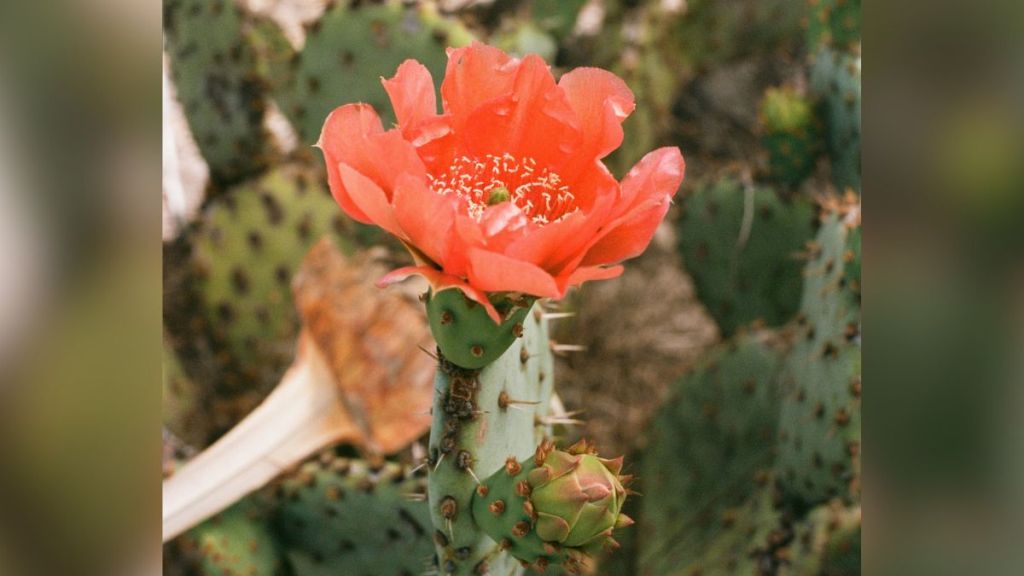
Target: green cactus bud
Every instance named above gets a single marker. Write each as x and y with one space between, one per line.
559 507
465 333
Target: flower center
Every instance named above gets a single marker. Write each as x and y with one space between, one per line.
491 180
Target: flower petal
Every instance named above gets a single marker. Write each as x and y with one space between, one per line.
441 281
588 273
646 194
425 216
370 199
601 101
352 134
411 91
494 272
475 74
533 119
344 124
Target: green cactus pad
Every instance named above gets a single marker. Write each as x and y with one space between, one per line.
834 23
790 133
745 278
835 79
465 334
182 401
348 517
349 50
705 477
215 72
245 249
236 541
535 510
819 436
826 542
481 418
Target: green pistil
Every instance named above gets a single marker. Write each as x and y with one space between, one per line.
498 195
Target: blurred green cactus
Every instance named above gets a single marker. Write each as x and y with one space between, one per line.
835 79
741 245
215 70
833 23
791 134
236 541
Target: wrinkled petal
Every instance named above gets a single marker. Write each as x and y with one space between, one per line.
475 74
628 236
370 199
440 281
344 124
588 273
646 194
411 91
353 135
532 120
425 216
601 102
493 272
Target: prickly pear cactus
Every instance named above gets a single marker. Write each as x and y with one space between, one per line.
834 23
236 541
341 516
835 79
481 418
706 475
557 508
244 250
464 332
790 133
819 433
182 399
825 542
350 49
741 247
215 72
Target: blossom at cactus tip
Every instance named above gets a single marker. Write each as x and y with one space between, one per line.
505 191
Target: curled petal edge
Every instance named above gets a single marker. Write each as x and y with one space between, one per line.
440 281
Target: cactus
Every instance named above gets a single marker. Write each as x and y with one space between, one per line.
740 246
238 541
558 508
182 400
835 79
833 23
481 418
342 516
350 49
826 542
819 435
558 17
790 133
244 251
716 31
466 335
706 473
214 67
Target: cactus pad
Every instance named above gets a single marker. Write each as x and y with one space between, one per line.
466 335
744 276
835 79
237 541
215 72
826 542
350 49
834 23
245 250
790 133
347 517
819 436
706 475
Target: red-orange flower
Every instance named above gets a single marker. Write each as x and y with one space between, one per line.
505 191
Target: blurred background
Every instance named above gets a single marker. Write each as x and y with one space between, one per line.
82 302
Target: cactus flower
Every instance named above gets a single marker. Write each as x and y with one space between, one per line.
505 191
